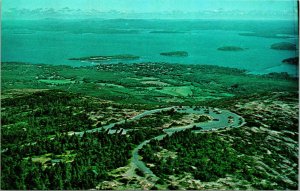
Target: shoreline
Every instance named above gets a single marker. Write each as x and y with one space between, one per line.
92 65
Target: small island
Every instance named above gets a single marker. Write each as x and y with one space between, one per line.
284 46
107 58
165 31
230 48
293 61
175 54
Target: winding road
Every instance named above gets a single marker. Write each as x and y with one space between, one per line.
221 119
106 127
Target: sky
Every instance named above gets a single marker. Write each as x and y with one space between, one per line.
277 8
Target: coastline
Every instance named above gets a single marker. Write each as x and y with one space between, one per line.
282 68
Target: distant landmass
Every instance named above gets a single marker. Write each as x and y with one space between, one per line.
69 13
163 31
294 61
284 46
107 58
231 48
175 54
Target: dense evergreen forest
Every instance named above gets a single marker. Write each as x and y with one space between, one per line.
44 113
94 156
25 119
38 153
208 157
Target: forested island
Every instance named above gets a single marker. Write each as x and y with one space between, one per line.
175 54
107 58
284 46
294 61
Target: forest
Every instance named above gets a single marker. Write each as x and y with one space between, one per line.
37 125
44 143
95 155
208 157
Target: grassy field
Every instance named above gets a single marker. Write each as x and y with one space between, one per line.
149 83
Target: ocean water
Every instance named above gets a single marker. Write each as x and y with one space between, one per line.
55 41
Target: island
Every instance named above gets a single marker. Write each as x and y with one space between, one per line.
107 58
230 48
284 46
175 54
293 61
165 31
